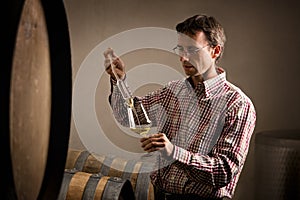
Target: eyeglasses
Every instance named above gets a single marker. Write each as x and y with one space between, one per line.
191 50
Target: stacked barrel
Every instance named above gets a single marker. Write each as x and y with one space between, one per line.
112 171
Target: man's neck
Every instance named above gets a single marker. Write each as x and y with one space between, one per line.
210 73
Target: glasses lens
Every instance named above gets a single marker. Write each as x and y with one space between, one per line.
188 52
179 51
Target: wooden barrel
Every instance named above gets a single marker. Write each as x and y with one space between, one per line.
38 99
8 34
136 171
78 185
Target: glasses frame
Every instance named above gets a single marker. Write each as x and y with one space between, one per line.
185 52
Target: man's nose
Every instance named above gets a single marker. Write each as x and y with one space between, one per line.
184 58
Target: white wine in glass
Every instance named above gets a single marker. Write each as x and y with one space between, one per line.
139 121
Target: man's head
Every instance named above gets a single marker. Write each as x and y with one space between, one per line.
211 28
200 45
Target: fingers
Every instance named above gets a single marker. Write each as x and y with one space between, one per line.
118 66
110 56
116 62
150 147
156 135
106 63
113 55
107 52
153 143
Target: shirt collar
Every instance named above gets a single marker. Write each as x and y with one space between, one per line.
215 85
210 87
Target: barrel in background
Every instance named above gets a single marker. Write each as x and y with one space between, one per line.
136 171
277 165
40 88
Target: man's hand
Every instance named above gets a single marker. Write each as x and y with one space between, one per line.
158 141
118 64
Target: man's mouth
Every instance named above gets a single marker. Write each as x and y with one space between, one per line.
188 66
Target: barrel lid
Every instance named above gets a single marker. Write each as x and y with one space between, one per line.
289 138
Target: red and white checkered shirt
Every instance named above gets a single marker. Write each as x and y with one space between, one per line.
210 126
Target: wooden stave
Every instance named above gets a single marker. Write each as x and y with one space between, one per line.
87 186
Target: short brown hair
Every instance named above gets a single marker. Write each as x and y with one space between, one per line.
212 29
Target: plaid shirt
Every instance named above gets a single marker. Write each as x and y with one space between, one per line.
210 126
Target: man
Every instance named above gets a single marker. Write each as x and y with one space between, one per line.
205 123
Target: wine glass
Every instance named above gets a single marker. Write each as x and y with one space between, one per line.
139 121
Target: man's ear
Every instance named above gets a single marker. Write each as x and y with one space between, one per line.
216 51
